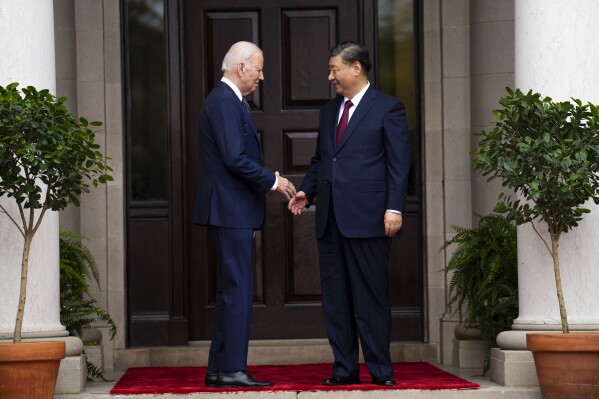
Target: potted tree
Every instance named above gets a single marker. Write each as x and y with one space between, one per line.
47 159
548 154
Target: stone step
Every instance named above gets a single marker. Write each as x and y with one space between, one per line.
261 352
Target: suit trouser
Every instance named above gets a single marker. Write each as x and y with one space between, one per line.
355 295
234 297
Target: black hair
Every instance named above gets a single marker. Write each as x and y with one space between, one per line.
351 52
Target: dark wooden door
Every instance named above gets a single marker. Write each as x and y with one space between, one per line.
295 36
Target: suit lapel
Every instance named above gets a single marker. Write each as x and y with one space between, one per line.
244 112
331 123
251 123
361 111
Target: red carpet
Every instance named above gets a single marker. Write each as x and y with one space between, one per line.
305 377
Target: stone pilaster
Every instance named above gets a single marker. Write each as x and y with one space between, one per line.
455 96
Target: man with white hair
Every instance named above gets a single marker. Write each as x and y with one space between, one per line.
231 202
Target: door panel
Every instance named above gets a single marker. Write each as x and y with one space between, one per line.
156 275
302 87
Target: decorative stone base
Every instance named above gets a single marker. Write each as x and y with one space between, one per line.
448 326
513 368
470 353
94 355
72 375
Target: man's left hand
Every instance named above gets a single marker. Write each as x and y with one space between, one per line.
392 223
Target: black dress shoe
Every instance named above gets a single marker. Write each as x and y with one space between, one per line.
384 381
210 378
336 380
239 379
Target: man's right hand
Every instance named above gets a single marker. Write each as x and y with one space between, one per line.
285 187
298 203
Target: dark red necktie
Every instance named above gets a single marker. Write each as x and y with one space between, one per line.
343 121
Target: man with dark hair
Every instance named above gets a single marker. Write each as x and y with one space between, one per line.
359 175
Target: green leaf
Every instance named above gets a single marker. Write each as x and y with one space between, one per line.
41 140
547 153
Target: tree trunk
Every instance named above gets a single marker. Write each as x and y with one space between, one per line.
558 283
28 237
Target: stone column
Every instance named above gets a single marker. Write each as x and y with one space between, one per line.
556 55
27 48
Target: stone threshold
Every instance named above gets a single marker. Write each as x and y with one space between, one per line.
301 351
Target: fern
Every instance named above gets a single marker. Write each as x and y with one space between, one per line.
94 373
77 313
484 280
77 306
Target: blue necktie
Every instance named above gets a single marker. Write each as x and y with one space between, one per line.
247 106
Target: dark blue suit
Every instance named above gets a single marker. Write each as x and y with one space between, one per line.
355 182
230 201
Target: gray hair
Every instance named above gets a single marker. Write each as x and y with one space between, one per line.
240 52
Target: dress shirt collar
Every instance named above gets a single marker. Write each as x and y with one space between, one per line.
233 86
358 97
355 101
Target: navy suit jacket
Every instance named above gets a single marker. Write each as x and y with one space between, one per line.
367 173
232 182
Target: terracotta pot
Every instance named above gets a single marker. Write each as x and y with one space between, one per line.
29 369
567 364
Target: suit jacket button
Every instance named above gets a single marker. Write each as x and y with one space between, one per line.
335 159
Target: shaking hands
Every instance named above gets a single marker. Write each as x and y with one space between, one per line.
297 200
